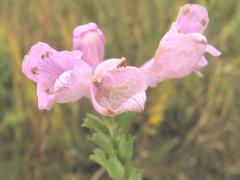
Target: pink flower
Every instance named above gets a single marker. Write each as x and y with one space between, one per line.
192 18
90 40
117 88
60 76
181 50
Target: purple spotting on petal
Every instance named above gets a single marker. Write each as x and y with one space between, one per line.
91 41
60 76
117 88
38 53
45 97
66 76
192 18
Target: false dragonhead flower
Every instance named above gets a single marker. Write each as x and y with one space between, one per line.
117 88
181 50
89 39
60 76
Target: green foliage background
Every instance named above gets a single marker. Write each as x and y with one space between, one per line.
190 128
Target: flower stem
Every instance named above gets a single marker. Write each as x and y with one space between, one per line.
115 146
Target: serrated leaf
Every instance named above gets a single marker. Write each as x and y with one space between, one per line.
135 174
99 157
125 148
102 140
93 123
115 168
110 123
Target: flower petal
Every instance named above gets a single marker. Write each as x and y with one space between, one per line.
178 55
192 18
90 40
74 84
147 64
108 65
65 76
116 90
38 52
213 51
135 103
199 74
152 78
202 63
53 66
45 98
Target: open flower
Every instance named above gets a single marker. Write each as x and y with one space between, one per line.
89 39
181 50
117 88
60 76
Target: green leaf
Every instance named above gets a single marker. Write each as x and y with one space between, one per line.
93 123
102 140
115 168
135 174
124 121
99 157
125 148
111 124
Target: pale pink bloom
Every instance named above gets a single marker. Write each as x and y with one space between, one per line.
192 18
179 54
181 50
61 76
117 88
90 40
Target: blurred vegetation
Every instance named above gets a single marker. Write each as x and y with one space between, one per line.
190 128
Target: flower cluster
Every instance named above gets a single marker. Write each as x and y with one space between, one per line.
112 85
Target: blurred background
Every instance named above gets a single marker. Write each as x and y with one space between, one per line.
190 128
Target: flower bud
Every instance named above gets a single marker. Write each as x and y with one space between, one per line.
89 39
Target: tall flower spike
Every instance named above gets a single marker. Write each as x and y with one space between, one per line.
90 40
117 88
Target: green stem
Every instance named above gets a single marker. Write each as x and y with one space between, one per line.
115 146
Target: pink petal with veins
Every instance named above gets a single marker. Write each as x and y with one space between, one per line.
61 76
91 41
30 66
117 88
